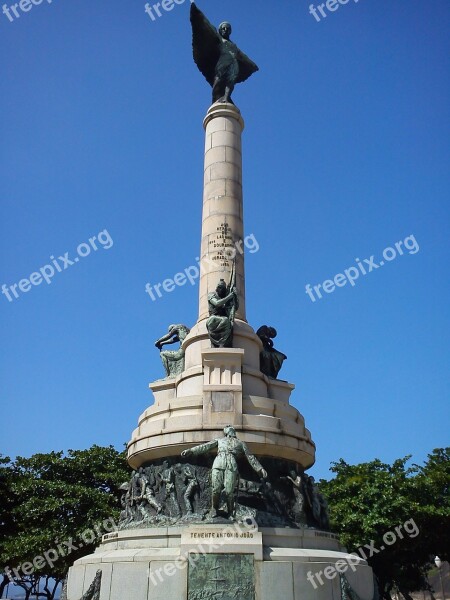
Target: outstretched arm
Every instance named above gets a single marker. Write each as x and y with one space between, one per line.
201 449
169 338
254 462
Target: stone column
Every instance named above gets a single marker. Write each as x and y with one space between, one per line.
222 223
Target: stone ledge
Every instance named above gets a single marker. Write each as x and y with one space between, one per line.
162 384
220 387
263 436
241 328
309 555
214 353
139 453
222 539
276 540
167 406
223 109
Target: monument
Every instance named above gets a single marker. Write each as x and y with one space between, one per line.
219 505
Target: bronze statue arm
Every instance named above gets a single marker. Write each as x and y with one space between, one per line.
254 462
169 338
159 344
222 301
166 337
201 449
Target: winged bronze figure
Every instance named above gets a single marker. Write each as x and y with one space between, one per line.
217 57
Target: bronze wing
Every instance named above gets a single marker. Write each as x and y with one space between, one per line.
205 44
246 67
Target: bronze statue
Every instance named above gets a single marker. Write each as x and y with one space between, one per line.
167 477
126 514
131 500
147 495
222 305
173 360
298 509
225 472
217 57
317 504
191 483
270 360
135 489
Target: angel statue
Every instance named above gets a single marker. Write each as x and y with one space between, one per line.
217 57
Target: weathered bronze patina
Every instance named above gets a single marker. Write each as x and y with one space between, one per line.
217 57
270 359
225 576
225 470
222 305
173 360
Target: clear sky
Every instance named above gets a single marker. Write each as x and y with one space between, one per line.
346 152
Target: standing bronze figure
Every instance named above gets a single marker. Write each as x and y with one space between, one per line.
225 472
217 57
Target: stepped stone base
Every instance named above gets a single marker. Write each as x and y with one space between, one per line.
221 386
185 563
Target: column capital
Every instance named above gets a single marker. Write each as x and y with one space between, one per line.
222 109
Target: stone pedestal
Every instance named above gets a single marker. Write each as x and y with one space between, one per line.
222 387
173 563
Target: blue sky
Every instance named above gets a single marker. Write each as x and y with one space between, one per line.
345 153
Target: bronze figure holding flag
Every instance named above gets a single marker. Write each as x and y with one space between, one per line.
222 305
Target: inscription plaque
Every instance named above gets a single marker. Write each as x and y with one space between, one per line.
222 401
224 576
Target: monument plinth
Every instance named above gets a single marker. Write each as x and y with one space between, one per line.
219 504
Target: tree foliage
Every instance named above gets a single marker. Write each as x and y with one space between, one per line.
6 508
432 495
56 504
370 500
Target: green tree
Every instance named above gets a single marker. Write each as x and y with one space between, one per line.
61 505
370 500
431 487
6 509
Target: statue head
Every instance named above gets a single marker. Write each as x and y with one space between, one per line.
225 30
221 289
229 431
